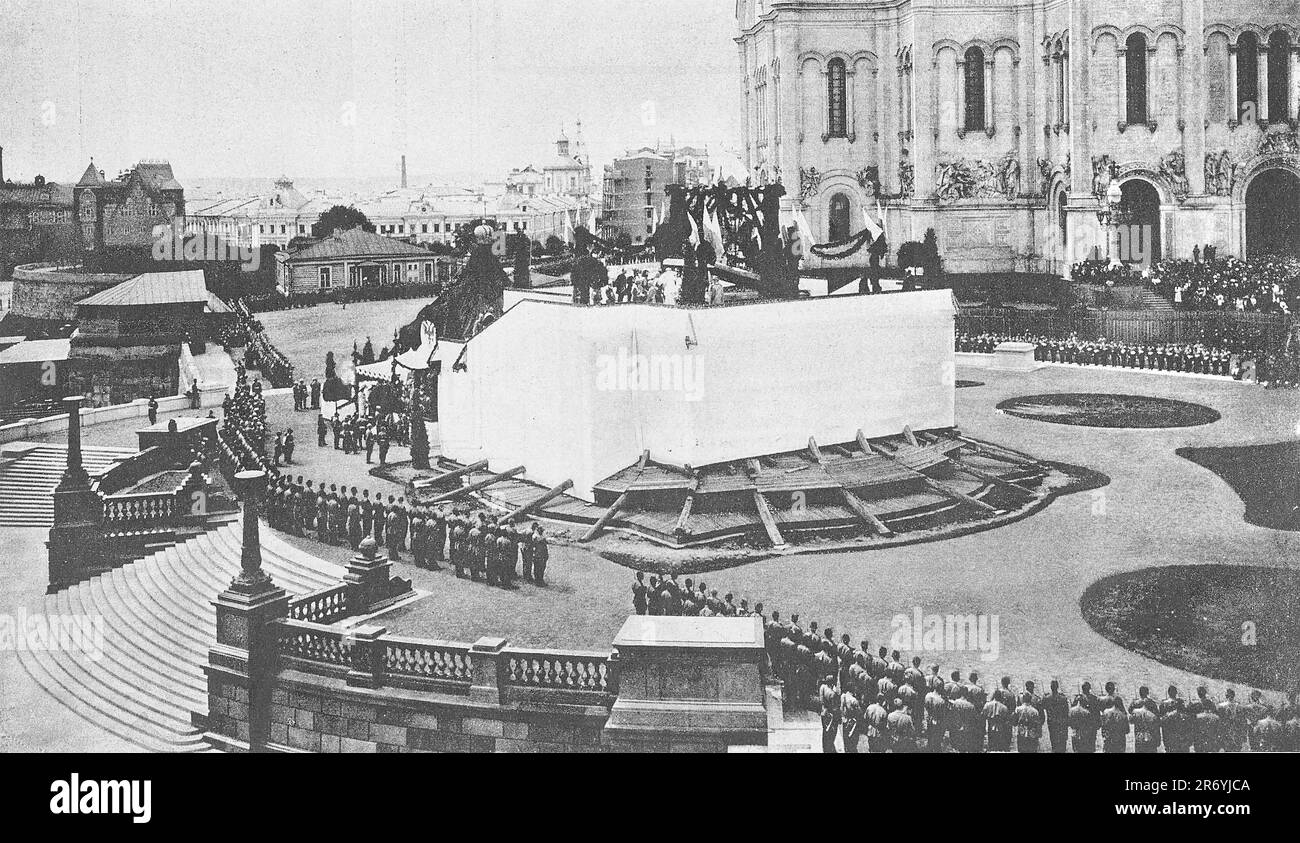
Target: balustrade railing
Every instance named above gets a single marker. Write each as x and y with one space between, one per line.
313 644
145 507
582 674
412 662
374 659
323 606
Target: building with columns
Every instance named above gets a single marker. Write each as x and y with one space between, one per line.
1002 123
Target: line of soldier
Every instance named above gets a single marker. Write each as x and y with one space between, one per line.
476 547
1198 358
900 708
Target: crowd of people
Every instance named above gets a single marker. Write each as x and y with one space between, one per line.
1165 357
1240 361
1102 272
475 545
1263 285
900 706
356 433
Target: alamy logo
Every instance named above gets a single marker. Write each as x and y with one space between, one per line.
37 632
110 796
626 372
946 633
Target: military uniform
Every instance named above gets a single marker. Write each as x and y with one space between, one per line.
1027 722
997 725
1146 728
1114 729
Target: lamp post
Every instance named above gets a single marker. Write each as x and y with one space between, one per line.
1112 212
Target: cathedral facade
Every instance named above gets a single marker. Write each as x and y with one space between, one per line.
1003 124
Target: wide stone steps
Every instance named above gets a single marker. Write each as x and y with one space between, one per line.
29 473
158 625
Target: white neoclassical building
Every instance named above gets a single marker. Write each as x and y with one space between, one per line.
1002 123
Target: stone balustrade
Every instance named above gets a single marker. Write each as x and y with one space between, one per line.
323 606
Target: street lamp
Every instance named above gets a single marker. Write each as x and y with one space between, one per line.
1111 211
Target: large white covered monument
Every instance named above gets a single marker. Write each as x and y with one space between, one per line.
578 393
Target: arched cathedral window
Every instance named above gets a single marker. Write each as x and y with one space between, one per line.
836 99
1135 85
975 93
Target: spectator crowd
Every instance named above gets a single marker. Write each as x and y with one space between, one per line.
1260 285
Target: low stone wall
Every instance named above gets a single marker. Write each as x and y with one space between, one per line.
318 714
26 429
50 291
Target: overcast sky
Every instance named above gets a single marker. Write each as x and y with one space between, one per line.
343 87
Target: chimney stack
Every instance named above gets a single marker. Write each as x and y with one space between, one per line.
403 171
2 165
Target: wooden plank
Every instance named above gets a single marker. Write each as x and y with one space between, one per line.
855 503
645 458
482 484
769 522
936 485
909 435
426 482
813 450
990 478
685 515
537 502
944 488
998 453
604 520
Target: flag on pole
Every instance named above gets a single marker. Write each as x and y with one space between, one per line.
592 221
695 230
880 213
805 230
874 230
713 231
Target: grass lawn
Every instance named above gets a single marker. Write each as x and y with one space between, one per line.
1193 617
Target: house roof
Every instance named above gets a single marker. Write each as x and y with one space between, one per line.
90 177
154 288
36 351
356 243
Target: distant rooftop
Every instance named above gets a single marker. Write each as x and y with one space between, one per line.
154 288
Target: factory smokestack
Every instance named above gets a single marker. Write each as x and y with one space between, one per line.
2 165
403 171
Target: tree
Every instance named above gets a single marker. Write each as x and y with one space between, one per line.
341 218
554 245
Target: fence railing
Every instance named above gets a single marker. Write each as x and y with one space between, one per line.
1258 331
324 605
584 677
429 665
151 507
371 657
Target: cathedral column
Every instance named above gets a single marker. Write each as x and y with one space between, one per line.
826 103
1234 107
988 96
1293 100
850 103
923 110
1193 90
1067 85
1152 103
1261 97
1121 85
961 97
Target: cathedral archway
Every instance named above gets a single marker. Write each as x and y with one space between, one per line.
1142 208
838 229
1273 214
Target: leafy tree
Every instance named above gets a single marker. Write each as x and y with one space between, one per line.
554 245
341 218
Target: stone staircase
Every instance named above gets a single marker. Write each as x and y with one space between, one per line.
158 624
29 472
1152 300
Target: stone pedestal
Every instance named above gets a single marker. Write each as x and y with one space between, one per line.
1015 357
241 665
370 584
76 543
688 684
486 668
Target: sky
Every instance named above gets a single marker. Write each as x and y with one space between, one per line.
341 88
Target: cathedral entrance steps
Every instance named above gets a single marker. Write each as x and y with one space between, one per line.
29 474
1154 301
142 679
